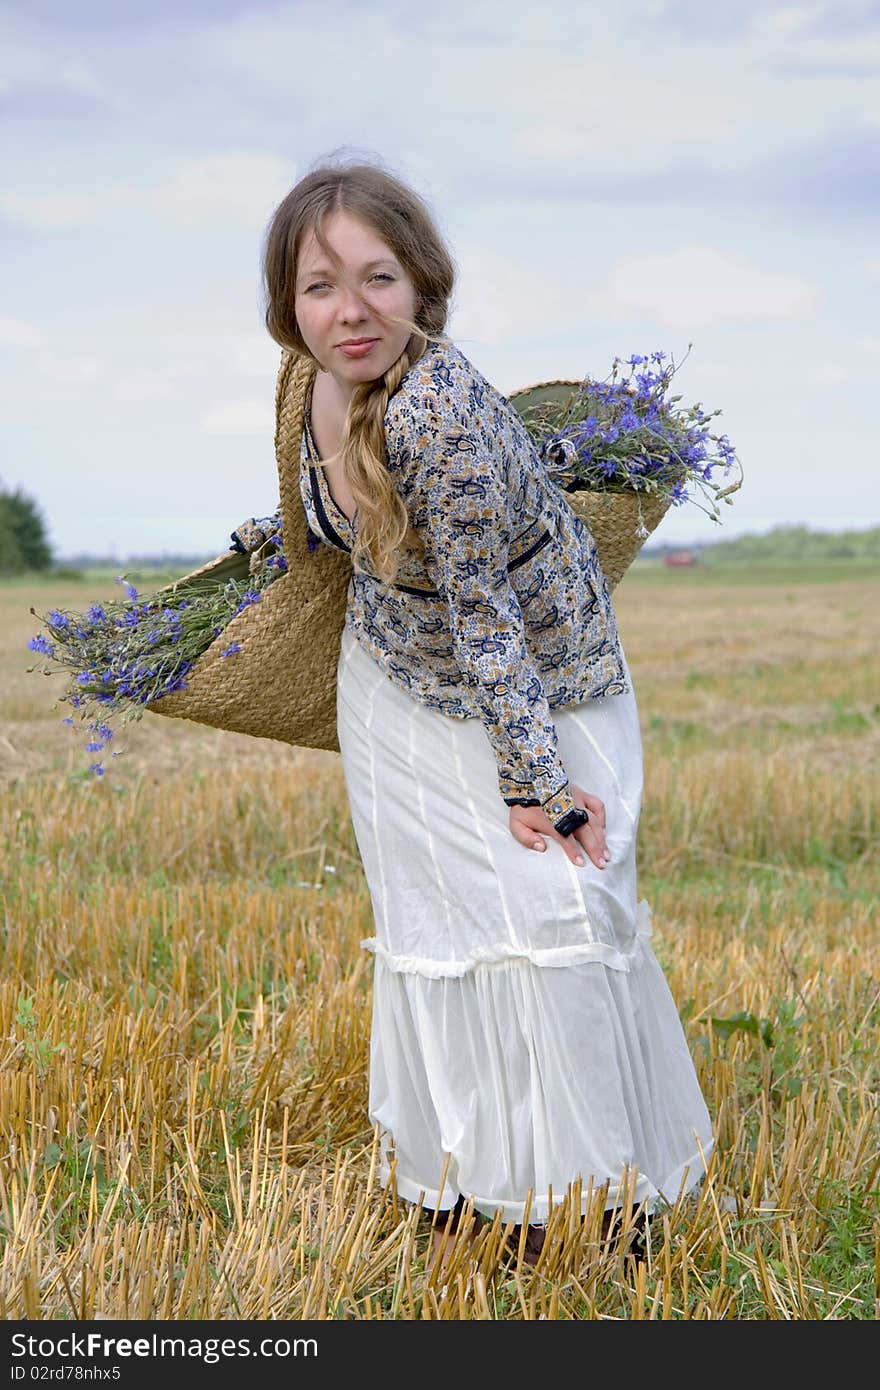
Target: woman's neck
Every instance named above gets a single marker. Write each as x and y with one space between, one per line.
334 395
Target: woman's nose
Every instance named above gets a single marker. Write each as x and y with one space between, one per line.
351 306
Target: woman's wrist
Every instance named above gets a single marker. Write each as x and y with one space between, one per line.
560 808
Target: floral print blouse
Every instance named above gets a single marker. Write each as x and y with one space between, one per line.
506 615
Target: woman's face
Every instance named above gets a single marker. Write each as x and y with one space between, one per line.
338 303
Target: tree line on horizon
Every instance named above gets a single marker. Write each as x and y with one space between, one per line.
783 542
24 544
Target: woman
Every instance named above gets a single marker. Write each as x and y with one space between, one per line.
523 1034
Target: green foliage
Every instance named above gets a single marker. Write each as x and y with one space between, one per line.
23 541
795 544
781 1039
40 1050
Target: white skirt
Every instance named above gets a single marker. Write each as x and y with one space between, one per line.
523 1033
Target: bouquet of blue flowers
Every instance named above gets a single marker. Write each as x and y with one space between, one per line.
121 655
629 435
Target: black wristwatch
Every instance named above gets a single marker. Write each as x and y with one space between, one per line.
571 821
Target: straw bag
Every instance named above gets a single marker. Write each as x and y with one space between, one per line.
282 683
619 521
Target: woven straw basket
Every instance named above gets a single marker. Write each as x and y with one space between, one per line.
620 521
282 683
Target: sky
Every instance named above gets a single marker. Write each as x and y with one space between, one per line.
700 179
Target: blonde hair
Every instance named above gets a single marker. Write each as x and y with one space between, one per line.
403 221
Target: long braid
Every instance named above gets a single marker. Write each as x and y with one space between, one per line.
383 522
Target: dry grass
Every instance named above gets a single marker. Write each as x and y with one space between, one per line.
185 1007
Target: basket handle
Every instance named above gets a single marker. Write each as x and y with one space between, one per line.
294 377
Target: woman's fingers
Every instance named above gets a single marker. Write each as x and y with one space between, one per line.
575 846
593 804
592 835
584 841
526 835
595 845
531 827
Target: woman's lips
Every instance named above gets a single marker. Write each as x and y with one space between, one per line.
357 349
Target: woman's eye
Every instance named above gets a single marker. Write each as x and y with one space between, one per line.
323 284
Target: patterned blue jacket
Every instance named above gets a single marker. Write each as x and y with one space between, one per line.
507 614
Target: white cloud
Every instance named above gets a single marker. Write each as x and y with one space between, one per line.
240 417
698 284
19 333
226 186
142 386
556 140
499 296
830 373
785 22
39 60
871 268
504 298
237 185
255 356
49 212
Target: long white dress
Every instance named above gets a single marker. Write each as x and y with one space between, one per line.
523 1032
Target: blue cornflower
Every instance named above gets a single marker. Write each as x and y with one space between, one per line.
232 649
95 613
645 383
94 747
636 359
629 420
726 450
247 599
42 645
679 493
58 619
588 427
97 769
68 721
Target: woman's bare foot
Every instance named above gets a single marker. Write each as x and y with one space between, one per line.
444 1242
534 1243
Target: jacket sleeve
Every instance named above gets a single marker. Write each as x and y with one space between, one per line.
254 532
460 510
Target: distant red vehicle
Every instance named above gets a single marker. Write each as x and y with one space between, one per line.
680 557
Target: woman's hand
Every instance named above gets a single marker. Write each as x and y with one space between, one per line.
532 827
